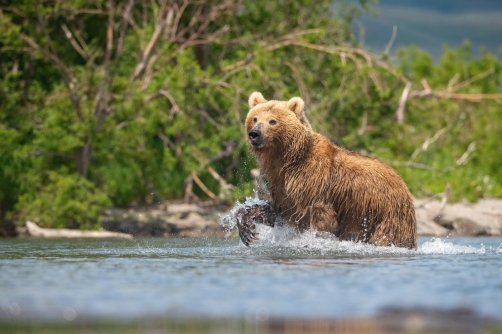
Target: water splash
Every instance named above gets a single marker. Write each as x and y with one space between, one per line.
285 236
438 246
229 222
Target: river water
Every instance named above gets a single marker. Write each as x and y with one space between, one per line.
282 275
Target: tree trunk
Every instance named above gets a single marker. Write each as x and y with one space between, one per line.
7 227
83 159
203 49
203 55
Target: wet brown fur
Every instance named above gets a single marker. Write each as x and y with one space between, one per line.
318 185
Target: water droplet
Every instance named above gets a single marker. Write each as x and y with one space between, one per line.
69 314
15 309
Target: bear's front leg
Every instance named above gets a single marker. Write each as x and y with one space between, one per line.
323 218
248 216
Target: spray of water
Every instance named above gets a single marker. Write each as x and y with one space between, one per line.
286 237
229 221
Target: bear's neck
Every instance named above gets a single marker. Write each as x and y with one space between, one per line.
290 152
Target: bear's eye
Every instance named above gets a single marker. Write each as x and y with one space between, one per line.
272 122
255 120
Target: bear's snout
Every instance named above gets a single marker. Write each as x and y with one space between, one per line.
255 137
254 134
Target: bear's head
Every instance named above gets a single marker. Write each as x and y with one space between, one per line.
272 123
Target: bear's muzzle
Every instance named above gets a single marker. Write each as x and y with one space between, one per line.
256 138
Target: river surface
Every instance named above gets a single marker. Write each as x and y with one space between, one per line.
282 275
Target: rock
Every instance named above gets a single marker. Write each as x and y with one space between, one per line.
203 219
139 226
459 219
177 219
427 227
184 208
444 221
460 226
189 221
464 227
430 228
196 225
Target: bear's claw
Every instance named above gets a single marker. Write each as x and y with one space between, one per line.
248 236
248 216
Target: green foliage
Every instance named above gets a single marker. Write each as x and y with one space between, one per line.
83 125
68 200
462 125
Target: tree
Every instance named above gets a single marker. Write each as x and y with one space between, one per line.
146 99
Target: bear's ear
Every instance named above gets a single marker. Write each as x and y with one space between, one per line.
296 105
255 99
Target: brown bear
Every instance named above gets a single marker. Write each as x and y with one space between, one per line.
317 185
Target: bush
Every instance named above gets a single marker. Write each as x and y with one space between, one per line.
68 200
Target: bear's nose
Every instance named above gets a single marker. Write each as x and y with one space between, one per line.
254 134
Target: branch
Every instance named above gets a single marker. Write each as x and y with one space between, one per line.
205 115
109 35
65 73
336 50
159 27
126 18
164 92
449 93
463 159
73 42
299 81
451 83
426 144
53 153
193 40
194 19
188 190
444 200
432 198
417 165
455 96
177 19
202 186
471 80
90 11
101 103
108 54
402 104
229 150
391 41
223 183
249 58
341 51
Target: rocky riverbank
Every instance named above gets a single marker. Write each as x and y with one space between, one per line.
459 219
191 220
168 219
172 218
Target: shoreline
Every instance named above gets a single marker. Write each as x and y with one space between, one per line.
178 219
